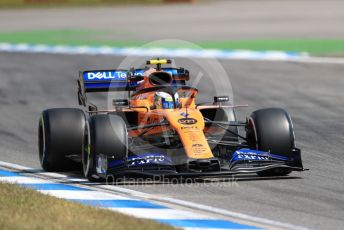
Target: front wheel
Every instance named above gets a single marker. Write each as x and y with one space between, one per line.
105 135
271 130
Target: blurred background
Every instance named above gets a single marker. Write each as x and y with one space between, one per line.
312 26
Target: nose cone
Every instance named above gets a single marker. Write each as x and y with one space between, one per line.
189 125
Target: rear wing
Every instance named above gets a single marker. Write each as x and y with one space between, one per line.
178 74
119 80
104 80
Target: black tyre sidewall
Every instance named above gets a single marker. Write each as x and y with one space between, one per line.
60 133
107 135
271 130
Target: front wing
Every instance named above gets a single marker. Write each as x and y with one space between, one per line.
159 166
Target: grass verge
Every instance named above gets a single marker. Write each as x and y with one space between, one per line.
22 208
116 39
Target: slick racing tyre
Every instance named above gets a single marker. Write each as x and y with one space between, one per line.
107 135
60 134
271 130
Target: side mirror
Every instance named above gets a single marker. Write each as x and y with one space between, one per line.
120 102
219 99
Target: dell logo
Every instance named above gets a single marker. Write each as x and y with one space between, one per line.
106 75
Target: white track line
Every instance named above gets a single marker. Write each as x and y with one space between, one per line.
82 195
14 166
187 204
320 60
203 229
22 180
160 213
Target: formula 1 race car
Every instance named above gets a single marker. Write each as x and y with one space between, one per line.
159 130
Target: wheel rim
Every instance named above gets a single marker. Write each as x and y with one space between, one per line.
86 153
41 141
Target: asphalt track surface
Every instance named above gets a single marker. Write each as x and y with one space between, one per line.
312 93
216 20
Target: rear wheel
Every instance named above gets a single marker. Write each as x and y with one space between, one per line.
271 130
60 134
105 134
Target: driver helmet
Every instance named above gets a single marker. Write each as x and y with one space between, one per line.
164 100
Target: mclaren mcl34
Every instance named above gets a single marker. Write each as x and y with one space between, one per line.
158 129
